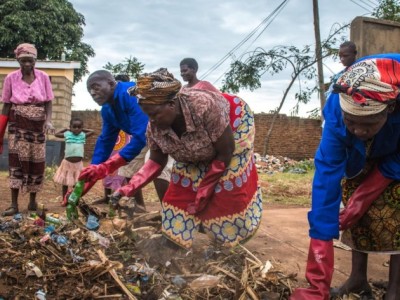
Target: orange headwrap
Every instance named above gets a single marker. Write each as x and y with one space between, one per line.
155 88
25 50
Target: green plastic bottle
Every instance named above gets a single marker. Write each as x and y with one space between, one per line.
76 193
72 212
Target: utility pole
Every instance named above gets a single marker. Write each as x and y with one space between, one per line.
318 53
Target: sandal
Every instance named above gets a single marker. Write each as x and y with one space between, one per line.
10 211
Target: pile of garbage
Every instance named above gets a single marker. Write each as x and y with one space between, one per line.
46 256
270 164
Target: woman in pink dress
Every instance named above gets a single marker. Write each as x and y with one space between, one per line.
27 95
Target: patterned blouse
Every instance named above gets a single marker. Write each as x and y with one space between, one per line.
17 91
206 116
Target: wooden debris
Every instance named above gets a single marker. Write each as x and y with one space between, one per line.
112 272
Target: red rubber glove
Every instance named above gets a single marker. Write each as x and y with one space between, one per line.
319 272
148 172
366 193
207 186
3 126
87 187
97 172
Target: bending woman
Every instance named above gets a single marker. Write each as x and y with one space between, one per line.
214 178
357 162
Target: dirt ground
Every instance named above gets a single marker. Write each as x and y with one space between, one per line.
282 237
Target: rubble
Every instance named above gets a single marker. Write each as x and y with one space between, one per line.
270 164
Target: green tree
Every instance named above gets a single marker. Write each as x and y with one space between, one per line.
52 25
388 10
247 71
129 66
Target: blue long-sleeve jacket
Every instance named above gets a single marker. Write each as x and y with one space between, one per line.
341 154
124 114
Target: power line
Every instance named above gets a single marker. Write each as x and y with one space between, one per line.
266 26
367 4
231 52
361 6
375 3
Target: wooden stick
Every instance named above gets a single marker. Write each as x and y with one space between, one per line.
114 274
251 254
146 217
109 296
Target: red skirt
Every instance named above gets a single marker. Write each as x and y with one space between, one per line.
235 210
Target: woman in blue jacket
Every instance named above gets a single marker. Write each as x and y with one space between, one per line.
357 162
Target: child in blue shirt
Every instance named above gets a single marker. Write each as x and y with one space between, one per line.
75 137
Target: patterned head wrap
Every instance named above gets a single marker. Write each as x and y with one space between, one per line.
25 50
155 88
367 87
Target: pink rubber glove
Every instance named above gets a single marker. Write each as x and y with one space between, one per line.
207 186
147 173
97 172
366 193
3 126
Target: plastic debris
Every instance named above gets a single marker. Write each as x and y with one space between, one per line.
102 241
40 295
179 281
92 223
205 281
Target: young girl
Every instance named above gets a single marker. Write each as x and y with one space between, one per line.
75 138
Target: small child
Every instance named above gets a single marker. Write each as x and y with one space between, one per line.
75 137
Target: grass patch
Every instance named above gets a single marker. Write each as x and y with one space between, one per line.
287 188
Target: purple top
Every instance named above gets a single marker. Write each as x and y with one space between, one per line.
17 91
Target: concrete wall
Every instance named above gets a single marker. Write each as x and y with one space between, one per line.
374 36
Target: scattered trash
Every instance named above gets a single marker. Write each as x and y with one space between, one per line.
265 269
17 217
205 281
40 295
92 223
68 261
58 238
178 281
32 269
53 220
102 241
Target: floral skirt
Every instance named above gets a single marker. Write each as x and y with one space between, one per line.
27 147
232 215
379 229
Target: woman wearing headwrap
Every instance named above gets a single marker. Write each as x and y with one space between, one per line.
214 178
357 162
27 95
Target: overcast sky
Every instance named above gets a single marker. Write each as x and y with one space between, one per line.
159 33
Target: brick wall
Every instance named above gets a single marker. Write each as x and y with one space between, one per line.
293 137
62 89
